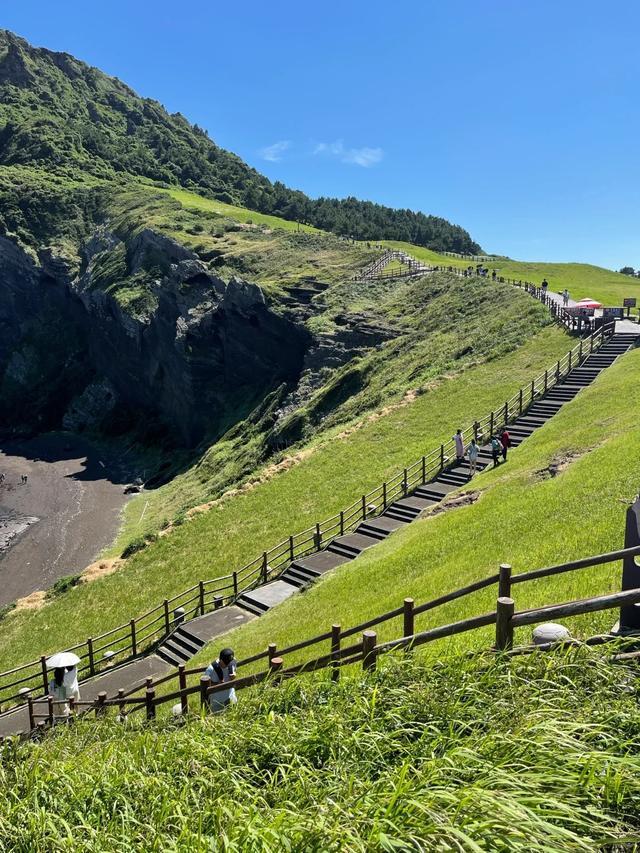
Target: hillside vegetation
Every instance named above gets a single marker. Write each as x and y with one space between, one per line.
58 113
235 530
531 754
581 280
524 516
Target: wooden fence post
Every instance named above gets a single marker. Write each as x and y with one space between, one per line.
504 584
424 470
167 621
546 380
520 403
101 698
92 666
341 522
408 629
205 684
369 657
317 537
533 389
335 648
275 666
504 626
218 602
405 482
265 567
45 674
149 700
134 645
32 719
442 455
52 718
491 424
201 594
476 431
506 413
558 371
182 681
291 549
364 507
235 584
570 355
272 651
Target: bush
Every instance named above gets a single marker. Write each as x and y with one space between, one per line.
134 546
63 585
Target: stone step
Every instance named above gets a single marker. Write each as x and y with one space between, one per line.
397 513
187 643
298 578
380 527
171 655
352 544
320 562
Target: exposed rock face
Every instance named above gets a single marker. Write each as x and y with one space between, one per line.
200 359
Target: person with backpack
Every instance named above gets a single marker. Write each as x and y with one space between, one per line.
496 450
505 441
221 671
472 452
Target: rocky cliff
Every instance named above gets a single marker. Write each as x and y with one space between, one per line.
172 343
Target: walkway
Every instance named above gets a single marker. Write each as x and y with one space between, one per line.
201 631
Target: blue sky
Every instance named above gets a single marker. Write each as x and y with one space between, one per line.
517 119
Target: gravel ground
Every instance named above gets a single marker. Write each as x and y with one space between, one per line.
57 522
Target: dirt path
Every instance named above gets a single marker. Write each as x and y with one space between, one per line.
62 517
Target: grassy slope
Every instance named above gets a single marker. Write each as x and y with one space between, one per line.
532 755
521 517
581 280
441 326
236 531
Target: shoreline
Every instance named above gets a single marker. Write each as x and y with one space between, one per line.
65 515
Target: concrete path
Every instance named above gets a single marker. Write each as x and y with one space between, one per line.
134 674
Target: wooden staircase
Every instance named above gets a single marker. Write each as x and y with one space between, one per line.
303 571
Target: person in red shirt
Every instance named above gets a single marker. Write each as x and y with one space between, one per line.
505 441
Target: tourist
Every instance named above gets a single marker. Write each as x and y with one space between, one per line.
62 687
496 450
221 671
505 441
472 452
544 286
459 443
565 297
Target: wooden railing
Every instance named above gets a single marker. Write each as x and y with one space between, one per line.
367 648
145 632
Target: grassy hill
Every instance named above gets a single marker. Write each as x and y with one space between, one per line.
524 516
532 754
329 474
59 114
581 280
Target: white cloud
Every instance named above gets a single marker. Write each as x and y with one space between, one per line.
364 156
273 153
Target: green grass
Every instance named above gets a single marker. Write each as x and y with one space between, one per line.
237 530
523 517
528 755
581 280
192 201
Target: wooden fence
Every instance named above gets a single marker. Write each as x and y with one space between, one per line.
143 633
366 649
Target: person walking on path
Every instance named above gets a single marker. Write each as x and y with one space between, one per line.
62 687
565 297
496 449
221 671
505 441
459 443
472 452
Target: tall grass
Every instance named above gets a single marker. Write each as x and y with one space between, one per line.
532 754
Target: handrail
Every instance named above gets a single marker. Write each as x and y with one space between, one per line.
367 650
262 569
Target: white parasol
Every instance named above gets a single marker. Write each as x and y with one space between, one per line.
62 660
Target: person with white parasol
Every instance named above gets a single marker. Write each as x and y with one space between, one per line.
64 684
